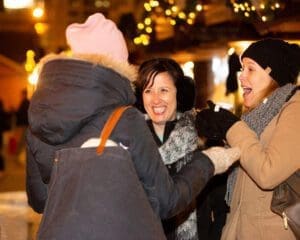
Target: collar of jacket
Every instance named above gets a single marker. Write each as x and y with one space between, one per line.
125 69
168 129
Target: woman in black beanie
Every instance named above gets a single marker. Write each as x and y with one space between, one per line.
268 137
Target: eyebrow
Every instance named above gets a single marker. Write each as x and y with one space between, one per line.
250 62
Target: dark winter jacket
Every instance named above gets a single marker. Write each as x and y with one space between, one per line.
73 100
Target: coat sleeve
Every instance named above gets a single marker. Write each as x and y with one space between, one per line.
270 163
167 195
36 189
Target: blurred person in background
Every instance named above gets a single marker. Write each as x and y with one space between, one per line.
21 126
22 111
4 125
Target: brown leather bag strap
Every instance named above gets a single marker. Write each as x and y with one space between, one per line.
109 126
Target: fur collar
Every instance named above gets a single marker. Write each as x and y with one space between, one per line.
123 68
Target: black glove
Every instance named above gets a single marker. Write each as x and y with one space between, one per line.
214 124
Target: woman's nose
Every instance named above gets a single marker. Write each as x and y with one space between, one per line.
156 97
241 76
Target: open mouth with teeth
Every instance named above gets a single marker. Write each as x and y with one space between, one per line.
158 110
247 90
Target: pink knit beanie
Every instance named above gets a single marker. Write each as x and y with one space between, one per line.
97 35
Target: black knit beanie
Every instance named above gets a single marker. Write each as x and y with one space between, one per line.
281 57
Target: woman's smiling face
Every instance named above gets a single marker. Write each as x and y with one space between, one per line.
255 82
159 99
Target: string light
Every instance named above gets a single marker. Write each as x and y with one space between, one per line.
263 10
38 12
171 10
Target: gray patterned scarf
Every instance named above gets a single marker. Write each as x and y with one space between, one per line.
258 119
178 150
182 140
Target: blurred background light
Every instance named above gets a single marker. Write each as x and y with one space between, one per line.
15 4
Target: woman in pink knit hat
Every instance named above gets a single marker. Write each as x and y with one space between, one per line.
74 97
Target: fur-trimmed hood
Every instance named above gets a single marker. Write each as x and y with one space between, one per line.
73 90
123 68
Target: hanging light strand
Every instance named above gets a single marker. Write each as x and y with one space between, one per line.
171 10
264 10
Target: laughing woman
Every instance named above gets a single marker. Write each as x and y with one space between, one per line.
268 137
164 93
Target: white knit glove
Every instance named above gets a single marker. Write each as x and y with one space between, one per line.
222 158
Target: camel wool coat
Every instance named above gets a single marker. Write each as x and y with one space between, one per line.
265 163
